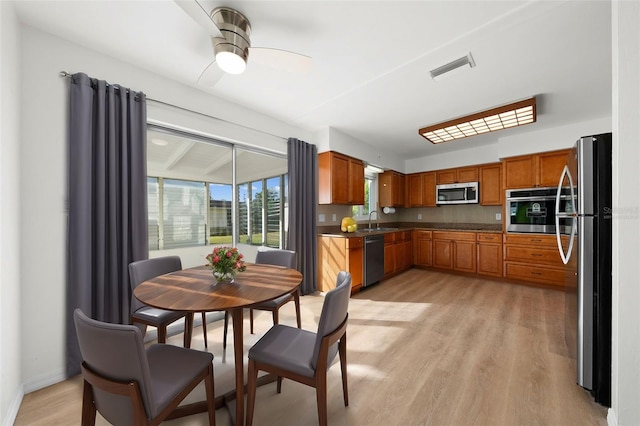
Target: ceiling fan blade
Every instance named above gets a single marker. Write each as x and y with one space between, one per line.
210 75
198 13
281 59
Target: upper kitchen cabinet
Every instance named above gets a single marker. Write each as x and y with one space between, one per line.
421 189
391 189
462 174
340 179
491 184
537 170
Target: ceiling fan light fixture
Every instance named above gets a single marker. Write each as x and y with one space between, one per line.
230 62
503 117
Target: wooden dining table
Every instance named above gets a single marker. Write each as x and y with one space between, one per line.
196 290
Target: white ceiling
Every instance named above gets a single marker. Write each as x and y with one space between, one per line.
371 59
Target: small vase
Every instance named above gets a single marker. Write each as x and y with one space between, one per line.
224 277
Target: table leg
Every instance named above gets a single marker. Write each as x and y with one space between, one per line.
238 352
188 329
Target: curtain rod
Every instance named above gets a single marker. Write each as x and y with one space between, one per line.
68 75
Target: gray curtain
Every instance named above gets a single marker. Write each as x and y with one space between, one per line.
302 237
107 226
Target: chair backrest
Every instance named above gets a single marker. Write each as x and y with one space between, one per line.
286 258
143 270
116 352
334 312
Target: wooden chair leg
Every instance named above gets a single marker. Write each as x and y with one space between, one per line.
204 328
276 316
210 391
88 408
252 373
279 384
296 301
321 396
226 326
342 350
162 334
251 320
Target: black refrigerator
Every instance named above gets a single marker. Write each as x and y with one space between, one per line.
586 250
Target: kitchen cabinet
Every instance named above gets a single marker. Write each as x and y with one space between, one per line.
462 174
391 189
340 179
533 258
421 190
491 184
398 252
337 254
490 254
531 171
454 250
422 248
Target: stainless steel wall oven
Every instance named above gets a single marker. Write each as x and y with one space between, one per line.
533 210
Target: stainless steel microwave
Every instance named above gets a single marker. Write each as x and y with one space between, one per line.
457 193
533 210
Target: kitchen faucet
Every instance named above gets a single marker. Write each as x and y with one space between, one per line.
373 211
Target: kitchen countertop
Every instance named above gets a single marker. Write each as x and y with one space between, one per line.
334 231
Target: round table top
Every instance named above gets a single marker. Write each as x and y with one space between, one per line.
196 290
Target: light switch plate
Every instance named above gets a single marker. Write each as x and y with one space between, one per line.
498 216
419 216
321 218
333 217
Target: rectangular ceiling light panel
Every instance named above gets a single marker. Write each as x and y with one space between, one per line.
512 115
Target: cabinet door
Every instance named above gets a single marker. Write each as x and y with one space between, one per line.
400 256
491 185
446 176
467 174
519 172
355 261
490 259
398 189
442 254
464 256
385 189
423 251
414 189
550 167
355 182
389 258
339 179
408 254
429 189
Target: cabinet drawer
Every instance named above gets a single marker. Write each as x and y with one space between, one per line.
457 236
355 242
531 240
490 237
546 275
548 256
390 237
423 235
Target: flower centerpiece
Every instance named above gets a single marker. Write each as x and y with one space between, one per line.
226 262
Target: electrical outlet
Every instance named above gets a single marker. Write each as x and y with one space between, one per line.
419 216
321 218
498 216
333 217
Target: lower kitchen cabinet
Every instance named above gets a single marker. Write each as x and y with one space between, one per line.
337 254
454 250
398 252
533 258
422 248
490 254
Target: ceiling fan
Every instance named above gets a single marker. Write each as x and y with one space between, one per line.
230 33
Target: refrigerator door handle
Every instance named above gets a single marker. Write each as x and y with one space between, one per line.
565 256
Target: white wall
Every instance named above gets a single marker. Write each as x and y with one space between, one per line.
43 175
345 144
10 380
626 218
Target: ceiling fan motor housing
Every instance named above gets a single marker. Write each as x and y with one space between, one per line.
235 29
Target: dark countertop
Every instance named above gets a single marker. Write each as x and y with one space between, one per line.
334 231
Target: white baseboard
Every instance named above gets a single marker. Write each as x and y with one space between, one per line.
44 381
612 420
12 412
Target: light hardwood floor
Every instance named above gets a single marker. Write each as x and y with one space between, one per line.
424 348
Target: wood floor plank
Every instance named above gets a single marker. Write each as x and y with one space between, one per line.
424 348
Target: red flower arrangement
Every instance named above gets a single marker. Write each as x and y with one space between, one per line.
226 262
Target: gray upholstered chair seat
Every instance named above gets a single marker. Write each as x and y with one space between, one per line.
277 302
172 368
157 315
286 347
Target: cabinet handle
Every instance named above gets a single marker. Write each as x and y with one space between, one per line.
536 273
536 254
536 241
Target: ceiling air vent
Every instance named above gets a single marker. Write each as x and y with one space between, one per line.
438 73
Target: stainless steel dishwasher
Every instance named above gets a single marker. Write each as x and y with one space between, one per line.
373 259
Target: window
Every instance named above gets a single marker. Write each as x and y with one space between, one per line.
190 193
370 199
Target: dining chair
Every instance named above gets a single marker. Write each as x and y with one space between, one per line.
130 385
304 356
143 270
286 258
